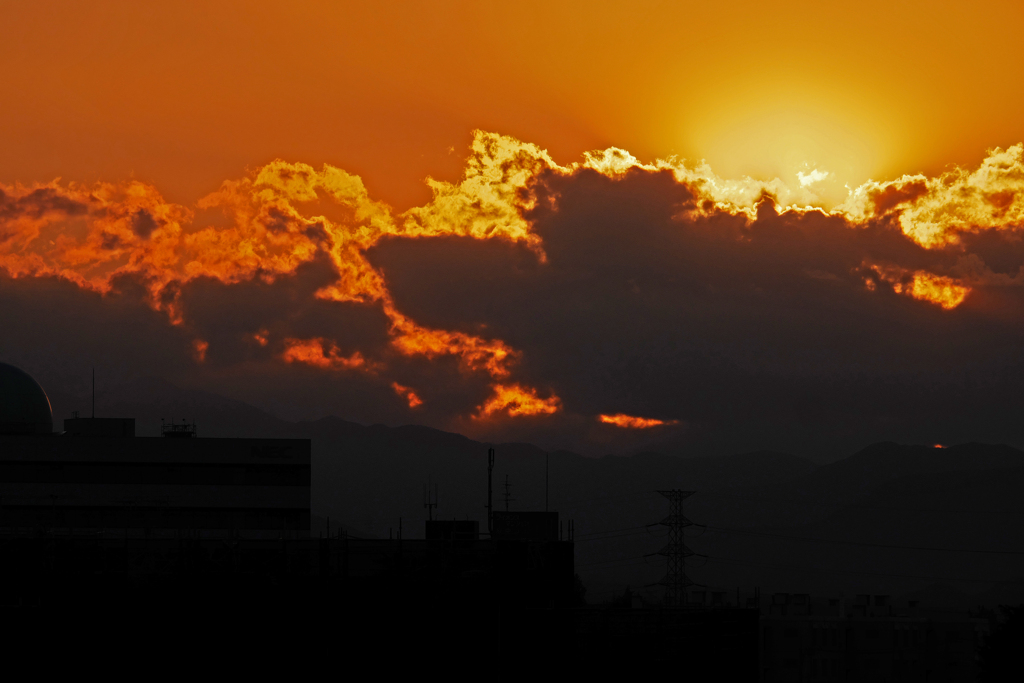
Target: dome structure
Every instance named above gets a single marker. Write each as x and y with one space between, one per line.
24 406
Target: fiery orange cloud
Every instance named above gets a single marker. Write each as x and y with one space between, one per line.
408 394
632 422
92 235
199 348
318 353
937 289
515 400
935 212
261 337
944 291
411 339
286 214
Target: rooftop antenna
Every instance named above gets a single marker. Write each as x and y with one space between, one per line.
94 393
490 479
427 502
508 493
547 457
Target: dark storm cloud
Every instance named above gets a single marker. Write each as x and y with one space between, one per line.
529 299
37 203
143 224
58 331
757 333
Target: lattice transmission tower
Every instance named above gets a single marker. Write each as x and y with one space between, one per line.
676 581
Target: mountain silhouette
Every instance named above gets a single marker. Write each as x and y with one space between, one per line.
890 518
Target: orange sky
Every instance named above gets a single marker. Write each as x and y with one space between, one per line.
255 176
184 95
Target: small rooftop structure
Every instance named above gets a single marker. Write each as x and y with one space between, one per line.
174 430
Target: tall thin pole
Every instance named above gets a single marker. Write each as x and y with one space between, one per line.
490 489
547 457
428 502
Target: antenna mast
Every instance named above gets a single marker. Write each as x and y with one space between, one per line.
427 502
490 480
547 456
508 493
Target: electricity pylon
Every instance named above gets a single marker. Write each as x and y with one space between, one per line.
676 581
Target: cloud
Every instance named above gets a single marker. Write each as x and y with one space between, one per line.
633 422
812 177
937 212
408 394
515 400
272 229
749 320
559 294
322 354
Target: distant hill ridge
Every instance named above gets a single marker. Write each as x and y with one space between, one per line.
371 478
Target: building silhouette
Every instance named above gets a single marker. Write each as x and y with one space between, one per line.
93 515
866 638
95 479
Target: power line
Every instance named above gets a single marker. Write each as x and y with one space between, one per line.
625 531
608 497
853 571
864 544
608 538
620 562
612 531
628 561
767 499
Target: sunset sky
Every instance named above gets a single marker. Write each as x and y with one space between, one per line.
605 226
